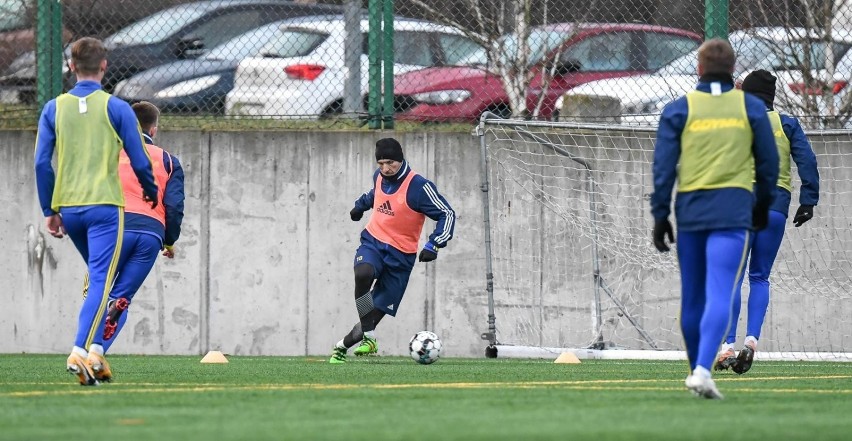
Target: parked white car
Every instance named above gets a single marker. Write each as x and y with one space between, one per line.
778 50
301 72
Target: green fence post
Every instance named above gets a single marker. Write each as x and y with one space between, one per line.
388 60
715 19
48 50
374 48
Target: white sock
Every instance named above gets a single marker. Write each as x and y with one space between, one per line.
701 371
82 352
97 349
751 339
371 334
726 347
340 345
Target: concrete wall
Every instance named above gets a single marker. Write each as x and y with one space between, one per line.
264 264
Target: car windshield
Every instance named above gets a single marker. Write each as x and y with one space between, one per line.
13 14
540 42
159 26
290 43
760 53
245 45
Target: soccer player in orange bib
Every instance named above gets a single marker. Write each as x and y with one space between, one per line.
401 201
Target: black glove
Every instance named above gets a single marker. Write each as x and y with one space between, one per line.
356 214
759 217
150 200
662 229
429 253
803 214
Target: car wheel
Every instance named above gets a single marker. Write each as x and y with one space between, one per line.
333 110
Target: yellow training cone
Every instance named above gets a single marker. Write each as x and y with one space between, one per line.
567 358
214 357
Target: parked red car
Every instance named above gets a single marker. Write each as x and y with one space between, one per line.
584 52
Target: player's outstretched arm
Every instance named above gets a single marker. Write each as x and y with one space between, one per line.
45 145
666 157
173 200
806 164
431 203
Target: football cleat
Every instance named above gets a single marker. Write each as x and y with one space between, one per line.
338 355
703 387
100 367
116 308
368 346
744 360
77 365
725 360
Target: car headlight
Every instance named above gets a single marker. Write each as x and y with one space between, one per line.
442 96
188 87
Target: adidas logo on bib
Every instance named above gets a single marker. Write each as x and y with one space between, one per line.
385 208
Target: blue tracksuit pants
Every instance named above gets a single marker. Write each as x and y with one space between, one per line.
711 263
97 232
764 249
138 253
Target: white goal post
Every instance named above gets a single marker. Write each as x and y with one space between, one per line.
571 267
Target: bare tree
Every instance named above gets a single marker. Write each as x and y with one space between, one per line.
806 59
514 52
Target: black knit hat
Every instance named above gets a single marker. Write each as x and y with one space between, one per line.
388 148
761 84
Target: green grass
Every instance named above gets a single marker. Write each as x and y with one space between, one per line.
253 398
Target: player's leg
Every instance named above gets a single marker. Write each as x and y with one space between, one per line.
142 250
726 252
692 259
105 234
76 227
367 264
764 251
727 356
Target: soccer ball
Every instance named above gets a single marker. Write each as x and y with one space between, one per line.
425 347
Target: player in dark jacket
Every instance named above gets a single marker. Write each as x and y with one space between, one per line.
401 201
792 143
717 143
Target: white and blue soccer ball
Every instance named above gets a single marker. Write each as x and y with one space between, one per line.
425 347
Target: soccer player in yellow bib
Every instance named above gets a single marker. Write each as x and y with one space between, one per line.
87 128
792 143
717 144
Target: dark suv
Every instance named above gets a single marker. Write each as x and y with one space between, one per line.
180 32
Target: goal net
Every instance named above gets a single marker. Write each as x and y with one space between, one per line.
568 241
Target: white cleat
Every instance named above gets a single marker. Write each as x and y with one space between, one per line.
703 387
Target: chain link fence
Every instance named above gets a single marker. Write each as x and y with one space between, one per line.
315 63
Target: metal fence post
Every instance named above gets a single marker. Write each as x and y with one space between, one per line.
388 60
48 50
715 19
352 101
374 47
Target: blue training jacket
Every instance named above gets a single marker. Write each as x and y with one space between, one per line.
173 196
124 122
719 208
422 197
806 164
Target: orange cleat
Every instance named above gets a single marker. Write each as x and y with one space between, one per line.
77 365
100 367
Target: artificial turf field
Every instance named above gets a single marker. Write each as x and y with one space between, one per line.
276 398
